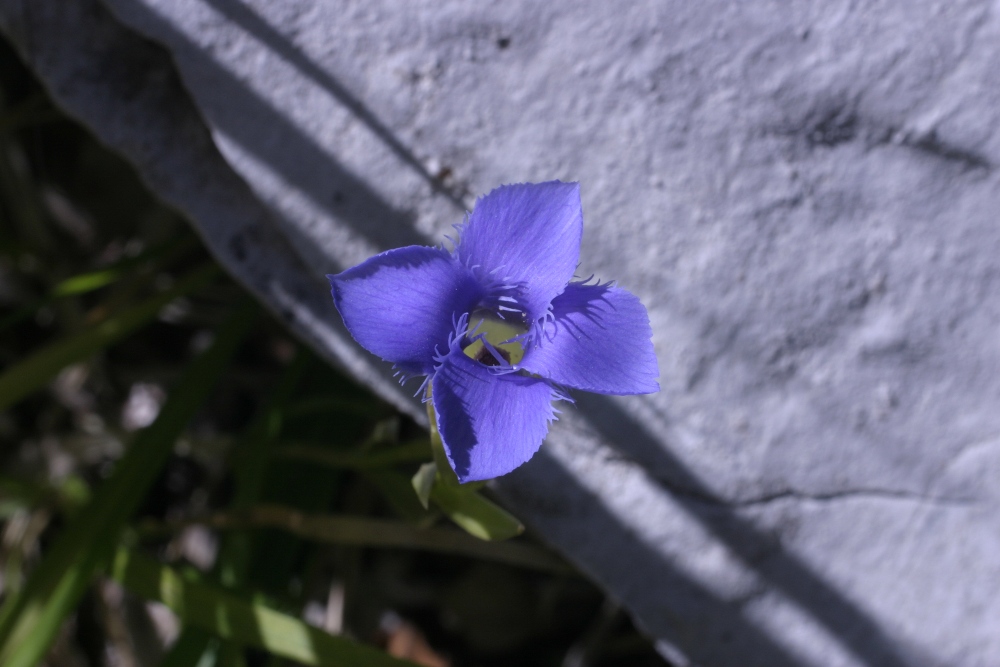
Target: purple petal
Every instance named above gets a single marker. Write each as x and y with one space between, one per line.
489 424
402 304
526 234
599 341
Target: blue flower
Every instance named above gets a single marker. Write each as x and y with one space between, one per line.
497 327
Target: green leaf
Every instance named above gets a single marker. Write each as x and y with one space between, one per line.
34 372
423 483
445 475
368 532
234 618
86 282
29 620
397 490
475 514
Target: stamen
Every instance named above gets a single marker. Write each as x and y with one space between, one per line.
490 356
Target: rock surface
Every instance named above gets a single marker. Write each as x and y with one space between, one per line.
805 195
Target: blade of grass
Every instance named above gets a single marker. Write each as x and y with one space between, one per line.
231 617
250 465
154 258
77 285
30 620
368 532
86 282
250 460
83 283
308 488
123 292
254 453
34 372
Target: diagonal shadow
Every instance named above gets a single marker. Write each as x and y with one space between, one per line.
262 130
708 629
246 18
855 630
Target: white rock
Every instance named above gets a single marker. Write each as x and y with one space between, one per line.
804 195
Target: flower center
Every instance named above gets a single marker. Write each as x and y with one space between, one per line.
499 334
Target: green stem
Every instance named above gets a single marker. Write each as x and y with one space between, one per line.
445 474
476 515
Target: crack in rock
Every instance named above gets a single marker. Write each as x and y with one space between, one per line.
931 144
848 494
693 492
841 124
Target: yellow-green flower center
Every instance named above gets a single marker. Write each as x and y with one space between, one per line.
500 334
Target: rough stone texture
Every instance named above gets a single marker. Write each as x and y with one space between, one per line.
804 194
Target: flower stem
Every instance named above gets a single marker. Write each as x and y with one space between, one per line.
437 482
445 474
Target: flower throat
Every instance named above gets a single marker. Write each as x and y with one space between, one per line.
500 335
